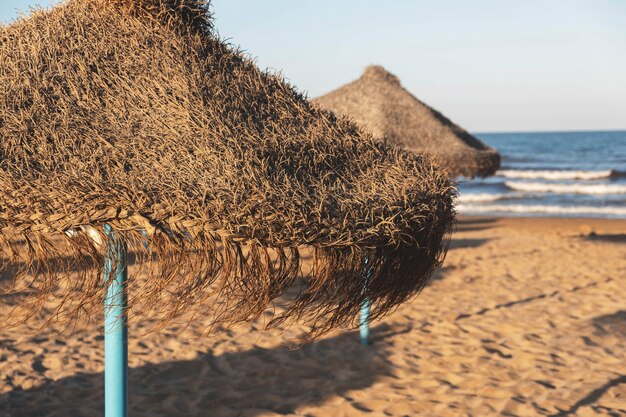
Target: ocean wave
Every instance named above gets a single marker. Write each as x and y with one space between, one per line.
540 209
465 198
542 187
558 174
479 197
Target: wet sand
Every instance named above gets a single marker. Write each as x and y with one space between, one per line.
527 318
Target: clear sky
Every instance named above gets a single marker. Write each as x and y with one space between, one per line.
489 65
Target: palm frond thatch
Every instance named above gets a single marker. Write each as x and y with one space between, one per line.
378 101
134 114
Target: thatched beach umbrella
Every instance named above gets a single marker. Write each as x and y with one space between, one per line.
381 104
378 102
123 121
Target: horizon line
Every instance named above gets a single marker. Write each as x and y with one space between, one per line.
478 132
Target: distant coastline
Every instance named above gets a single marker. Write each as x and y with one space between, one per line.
508 132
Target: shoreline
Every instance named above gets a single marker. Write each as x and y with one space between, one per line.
602 225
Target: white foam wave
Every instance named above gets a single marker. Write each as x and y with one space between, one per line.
539 209
555 175
490 197
542 187
479 197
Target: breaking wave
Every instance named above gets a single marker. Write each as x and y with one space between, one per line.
488 197
577 188
560 175
541 209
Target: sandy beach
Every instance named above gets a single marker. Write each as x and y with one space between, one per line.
527 318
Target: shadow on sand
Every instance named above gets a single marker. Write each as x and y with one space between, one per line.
614 324
592 397
609 238
248 383
481 223
478 220
608 324
471 225
458 243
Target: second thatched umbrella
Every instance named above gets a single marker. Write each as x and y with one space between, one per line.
378 101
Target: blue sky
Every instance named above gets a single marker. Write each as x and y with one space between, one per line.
489 65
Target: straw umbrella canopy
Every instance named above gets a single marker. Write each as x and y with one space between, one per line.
378 101
133 114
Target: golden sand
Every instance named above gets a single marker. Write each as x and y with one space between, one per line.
527 318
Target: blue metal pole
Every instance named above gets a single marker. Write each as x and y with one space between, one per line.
364 319
364 325
115 327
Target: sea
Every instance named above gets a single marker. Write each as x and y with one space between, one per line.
562 174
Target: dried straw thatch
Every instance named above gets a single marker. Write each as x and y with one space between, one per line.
133 113
381 104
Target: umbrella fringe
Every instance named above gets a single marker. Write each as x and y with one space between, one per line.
226 279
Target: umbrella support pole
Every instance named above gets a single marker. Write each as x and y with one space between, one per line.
115 327
364 323
364 318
